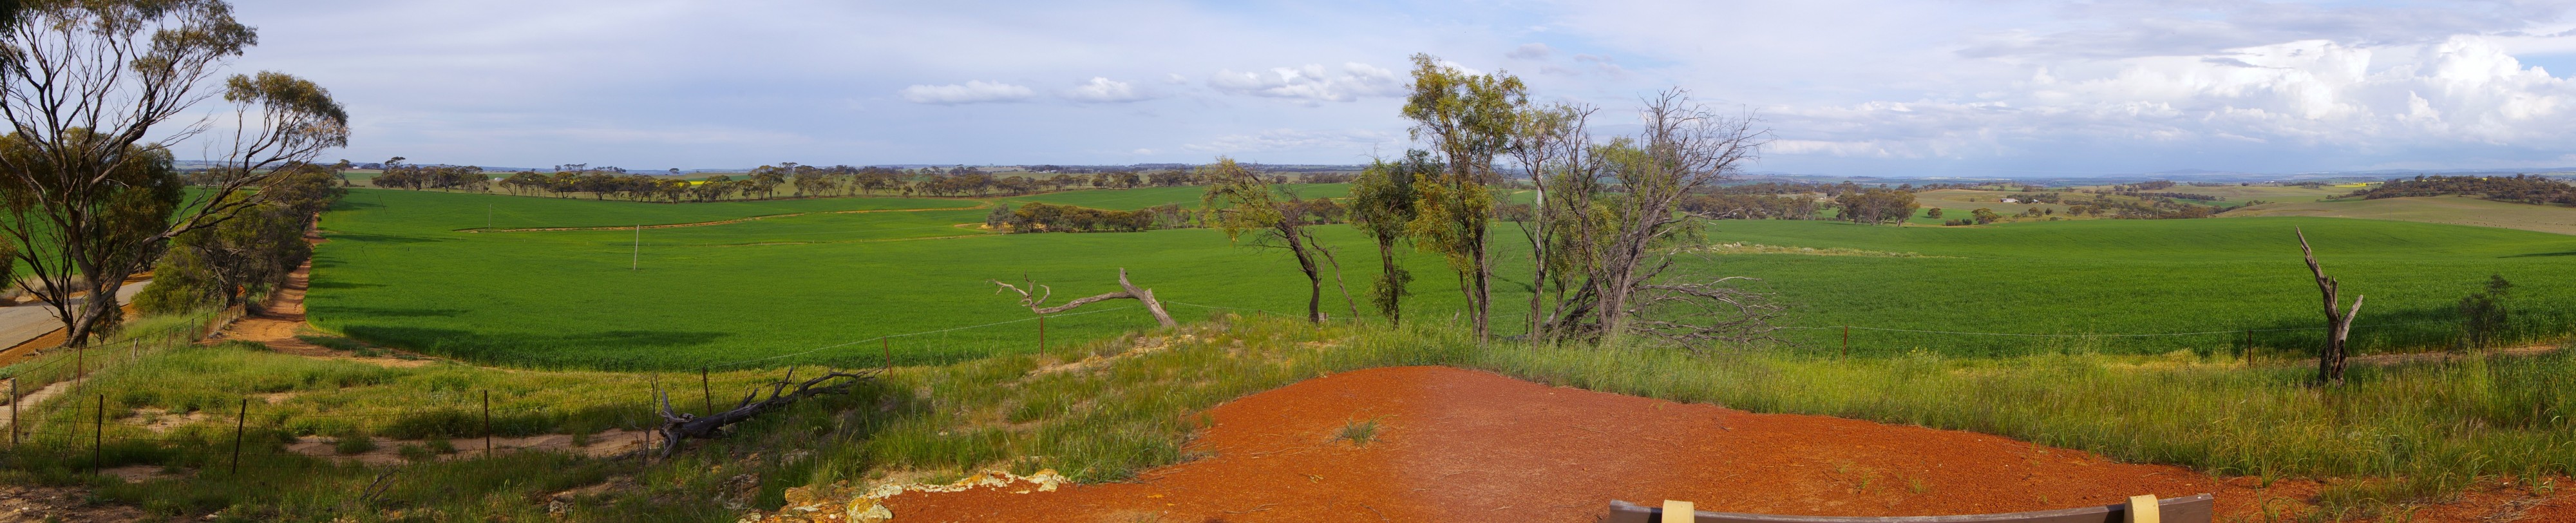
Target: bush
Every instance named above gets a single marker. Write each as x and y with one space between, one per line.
352 442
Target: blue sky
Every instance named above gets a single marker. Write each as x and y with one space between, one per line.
1965 88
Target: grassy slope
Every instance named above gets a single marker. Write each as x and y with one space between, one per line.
2432 427
2432 209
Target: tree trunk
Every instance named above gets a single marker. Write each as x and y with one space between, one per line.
1306 263
1133 292
677 426
2330 358
1484 298
1395 294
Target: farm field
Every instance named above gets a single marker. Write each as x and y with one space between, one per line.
2461 210
400 272
2141 277
2268 193
397 271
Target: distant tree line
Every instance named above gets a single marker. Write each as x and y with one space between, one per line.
784 180
1032 217
2538 190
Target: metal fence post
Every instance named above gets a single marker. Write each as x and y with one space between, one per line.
15 421
1846 341
706 393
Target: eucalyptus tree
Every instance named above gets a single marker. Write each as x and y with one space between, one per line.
93 92
1469 119
1382 206
1244 205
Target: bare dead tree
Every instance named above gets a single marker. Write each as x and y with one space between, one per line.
677 426
2330 358
1621 245
1034 297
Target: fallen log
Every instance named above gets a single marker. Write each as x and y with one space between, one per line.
677 426
1034 300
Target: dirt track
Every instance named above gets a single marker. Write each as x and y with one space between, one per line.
1459 445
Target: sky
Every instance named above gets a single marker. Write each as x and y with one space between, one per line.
1973 88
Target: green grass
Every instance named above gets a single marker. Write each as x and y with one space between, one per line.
400 273
424 408
2142 277
2396 434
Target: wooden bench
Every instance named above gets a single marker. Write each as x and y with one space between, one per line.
2140 509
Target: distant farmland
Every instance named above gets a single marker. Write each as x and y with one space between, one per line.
404 269
2461 210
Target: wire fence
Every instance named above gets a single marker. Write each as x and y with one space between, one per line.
116 434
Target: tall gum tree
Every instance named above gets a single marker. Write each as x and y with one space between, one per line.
93 91
1469 119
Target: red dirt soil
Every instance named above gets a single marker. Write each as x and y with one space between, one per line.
1462 445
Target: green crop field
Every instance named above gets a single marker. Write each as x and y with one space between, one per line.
407 269
399 271
2043 280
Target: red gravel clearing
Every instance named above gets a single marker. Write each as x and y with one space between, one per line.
1460 445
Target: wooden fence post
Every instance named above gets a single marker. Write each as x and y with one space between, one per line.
240 421
98 435
888 345
1846 341
487 424
706 393
1041 333
2249 348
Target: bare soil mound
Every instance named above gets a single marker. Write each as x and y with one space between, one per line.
1462 445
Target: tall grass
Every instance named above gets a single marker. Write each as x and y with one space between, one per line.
1106 410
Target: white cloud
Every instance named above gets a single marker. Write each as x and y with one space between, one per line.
2463 91
1293 140
971 92
1176 79
1531 51
1104 90
1312 83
